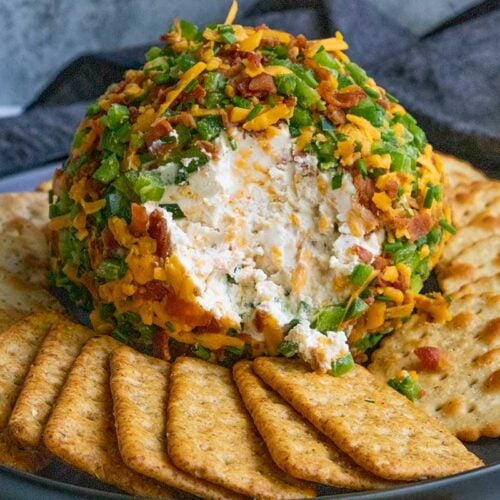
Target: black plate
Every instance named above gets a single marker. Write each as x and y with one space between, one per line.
61 482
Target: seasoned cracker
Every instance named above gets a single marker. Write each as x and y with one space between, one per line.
24 251
483 285
16 293
480 260
45 186
139 385
211 435
81 429
19 457
45 380
18 347
28 206
483 226
464 392
295 445
459 171
470 199
379 428
8 317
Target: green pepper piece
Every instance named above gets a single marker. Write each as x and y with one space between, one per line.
200 352
360 274
337 181
116 116
288 348
342 365
356 309
93 110
301 117
371 92
214 81
447 226
362 168
328 319
153 53
306 96
400 162
111 269
407 386
78 137
174 209
357 73
209 127
372 112
286 84
189 31
323 58
227 34
148 187
241 102
108 169
368 341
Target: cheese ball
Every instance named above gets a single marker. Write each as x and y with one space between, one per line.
248 192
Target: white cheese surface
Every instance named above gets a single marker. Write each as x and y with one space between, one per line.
265 231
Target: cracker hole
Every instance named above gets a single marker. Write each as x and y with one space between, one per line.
474 382
438 408
471 408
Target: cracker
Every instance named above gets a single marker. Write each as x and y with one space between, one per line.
464 394
295 445
211 435
483 285
470 199
29 206
139 385
18 347
24 251
8 317
45 379
19 457
81 429
481 227
45 186
16 293
458 171
379 428
480 260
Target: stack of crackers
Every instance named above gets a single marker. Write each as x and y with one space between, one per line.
270 428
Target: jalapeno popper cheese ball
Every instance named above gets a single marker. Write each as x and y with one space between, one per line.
248 192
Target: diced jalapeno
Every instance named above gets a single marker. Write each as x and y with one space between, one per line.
174 209
328 319
214 81
356 309
361 166
189 31
209 127
200 352
360 274
358 74
108 169
286 84
337 181
342 365
116 116
406 386
306 95
241 102
323 58
301 117
370 111
111 269
227 34
368 341
288 348
153 53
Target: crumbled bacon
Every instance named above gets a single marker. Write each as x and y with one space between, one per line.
197 93
158 231
154 290
208 148
108 240
419 226
59 182
119 87
429 357
365 187
380 263
350 98
133 113
391 188
384 102
364 255
160 345
139 223
335 114
161 129
262 83
184 118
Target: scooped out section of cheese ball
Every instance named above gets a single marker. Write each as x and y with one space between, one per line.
248 192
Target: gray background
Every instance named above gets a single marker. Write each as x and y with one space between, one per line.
39 37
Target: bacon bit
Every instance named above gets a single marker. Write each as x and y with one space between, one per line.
158 231
184 118
96 252
419 226
348 99
154 290
59 182
225 119
384 102
379 263
119 87
254 58
335 114
391 188
161 129
364 255
139 223
208 147
301 41
262 83
133 112
400 222
429 357
160 345
198 93
322 73
108 240
365 187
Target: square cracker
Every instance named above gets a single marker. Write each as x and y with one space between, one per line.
29 206
483 285
81 428
45 380
459 171
8 317
480 260
139 385
18 347
378 427
295 445
464 394
211 435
